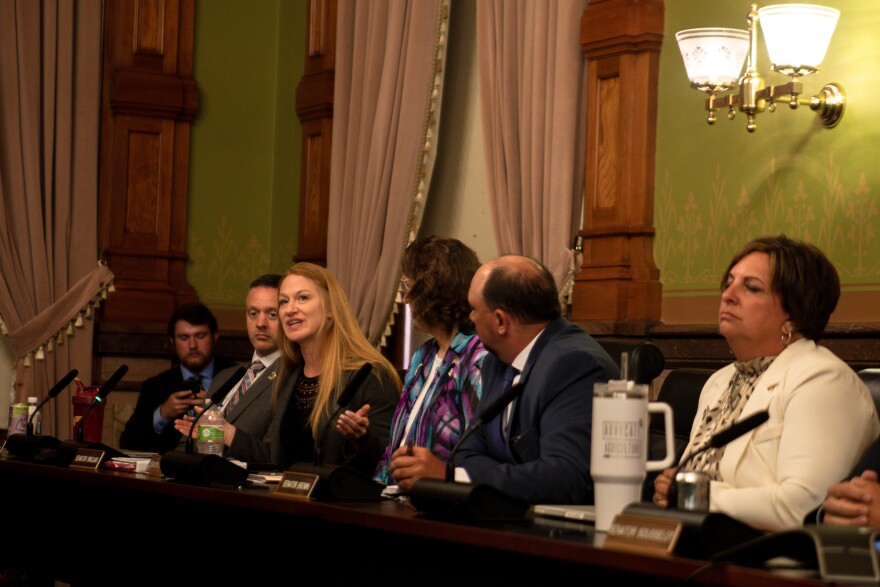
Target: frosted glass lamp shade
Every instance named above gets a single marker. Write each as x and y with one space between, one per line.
797 35
713 57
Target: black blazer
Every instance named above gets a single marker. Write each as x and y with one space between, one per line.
138 433
377 390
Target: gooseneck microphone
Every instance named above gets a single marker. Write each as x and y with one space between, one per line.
719 439
223 390
216 398
445 499
344 399
58 388
103 392
485 416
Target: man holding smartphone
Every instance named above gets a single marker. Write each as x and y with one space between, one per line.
169 395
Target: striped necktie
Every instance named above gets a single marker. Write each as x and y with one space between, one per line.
249 377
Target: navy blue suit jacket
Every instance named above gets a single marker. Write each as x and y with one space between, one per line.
551 426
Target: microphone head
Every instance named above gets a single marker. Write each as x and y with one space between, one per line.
112 382
63 383
737 429
354 384
499 404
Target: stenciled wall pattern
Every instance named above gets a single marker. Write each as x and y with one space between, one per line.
718 186
228 261
245 161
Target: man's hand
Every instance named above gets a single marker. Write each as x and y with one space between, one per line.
184 423
411 463
854 503
179 403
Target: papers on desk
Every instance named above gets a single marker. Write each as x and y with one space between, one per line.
139 454
131 464
392 491
265 477
580 513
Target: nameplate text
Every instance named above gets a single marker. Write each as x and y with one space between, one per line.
87 458
642 534
297 485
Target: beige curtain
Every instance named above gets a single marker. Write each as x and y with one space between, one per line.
389 62
50 83
531 98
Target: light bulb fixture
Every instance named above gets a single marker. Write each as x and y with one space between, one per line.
797 37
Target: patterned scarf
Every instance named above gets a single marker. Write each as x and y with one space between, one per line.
729 407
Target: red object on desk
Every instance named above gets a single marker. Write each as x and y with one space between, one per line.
94 423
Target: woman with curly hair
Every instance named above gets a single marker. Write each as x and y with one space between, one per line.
442 386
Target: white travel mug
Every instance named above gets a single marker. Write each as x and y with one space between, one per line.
619 452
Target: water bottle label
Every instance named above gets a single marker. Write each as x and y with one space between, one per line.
209 432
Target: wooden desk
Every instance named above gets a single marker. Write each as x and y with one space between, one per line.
90 528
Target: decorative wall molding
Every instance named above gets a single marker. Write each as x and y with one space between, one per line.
314 107
618 287
149 100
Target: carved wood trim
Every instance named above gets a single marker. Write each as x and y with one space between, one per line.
314 107
700 345
149 99
618 288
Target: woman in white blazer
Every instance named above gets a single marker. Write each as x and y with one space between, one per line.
777 296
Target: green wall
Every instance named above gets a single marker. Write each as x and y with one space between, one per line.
716 187
245 152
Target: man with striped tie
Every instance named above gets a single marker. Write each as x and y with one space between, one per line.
249 403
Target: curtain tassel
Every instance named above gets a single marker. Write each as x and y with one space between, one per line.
79 321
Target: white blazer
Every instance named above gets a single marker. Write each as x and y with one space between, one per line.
822 418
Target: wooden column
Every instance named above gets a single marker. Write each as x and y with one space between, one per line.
314 107
149 101
618 288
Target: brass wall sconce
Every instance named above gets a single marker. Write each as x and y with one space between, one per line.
797 37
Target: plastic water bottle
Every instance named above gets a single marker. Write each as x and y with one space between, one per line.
37 420
210 440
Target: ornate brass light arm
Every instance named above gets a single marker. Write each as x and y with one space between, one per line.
705 49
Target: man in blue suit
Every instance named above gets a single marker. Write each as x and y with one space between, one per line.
538 450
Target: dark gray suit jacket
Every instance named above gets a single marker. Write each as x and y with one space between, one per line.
253 412
377 390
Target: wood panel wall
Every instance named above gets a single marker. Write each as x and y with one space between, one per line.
314 107
149 101
618 288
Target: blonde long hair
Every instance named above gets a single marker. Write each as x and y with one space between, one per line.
345 347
